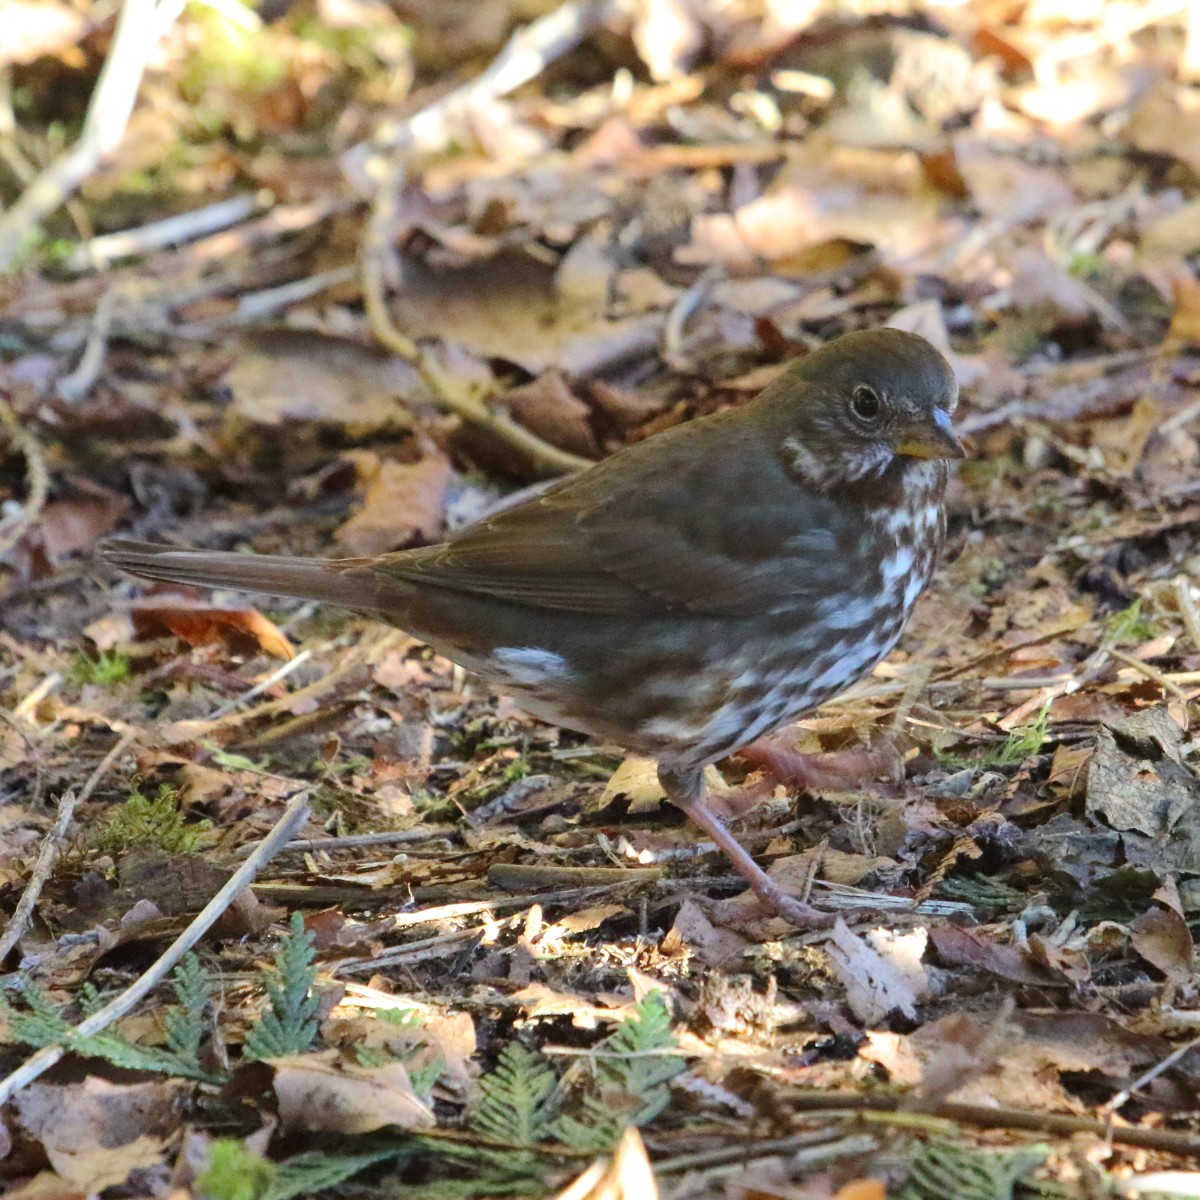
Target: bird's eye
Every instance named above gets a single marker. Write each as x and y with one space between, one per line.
865 403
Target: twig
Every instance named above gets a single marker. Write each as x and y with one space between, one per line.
140 26
100 252
263 685
452 394
528 52
74 387
38 481
1152 673
355 840
865 1106
52 847
1126 1094
44 1059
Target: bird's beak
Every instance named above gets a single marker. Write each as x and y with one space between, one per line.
930 439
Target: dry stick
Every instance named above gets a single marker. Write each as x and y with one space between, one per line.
140 26
44 1059
35 473
52 847
102 251
1125 1095
885 1108
454 395
528 52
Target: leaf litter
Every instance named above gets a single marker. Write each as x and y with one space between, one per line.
520 961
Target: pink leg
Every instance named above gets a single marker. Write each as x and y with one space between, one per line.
687 791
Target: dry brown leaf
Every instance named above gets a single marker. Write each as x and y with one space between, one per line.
713 945
627 1177
324 1093
97 1133
284 376
549 408
882 976
1162 937
243 630
403 501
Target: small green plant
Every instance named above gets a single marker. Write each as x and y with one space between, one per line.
289 1026
234 1173
516 1099
1129 627
629 1079
152 821
1022 743
941 1169
110 668
41 1024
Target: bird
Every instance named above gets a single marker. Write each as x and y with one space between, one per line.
692 592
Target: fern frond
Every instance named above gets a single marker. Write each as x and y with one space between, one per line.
289 1026
516 1098
630 1071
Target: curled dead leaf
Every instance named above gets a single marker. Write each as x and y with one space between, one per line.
243 630
323 1092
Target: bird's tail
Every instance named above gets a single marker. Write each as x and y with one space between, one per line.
304 578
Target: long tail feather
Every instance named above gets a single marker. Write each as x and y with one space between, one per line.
303 578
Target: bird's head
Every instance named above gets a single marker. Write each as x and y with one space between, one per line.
862 403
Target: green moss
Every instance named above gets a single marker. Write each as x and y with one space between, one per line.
152 821
110 668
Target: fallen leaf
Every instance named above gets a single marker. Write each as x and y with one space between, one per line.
1161 936
549 408
243 630
97 1133
880 978
324 1093
628 1176
284 376
403 501
713 945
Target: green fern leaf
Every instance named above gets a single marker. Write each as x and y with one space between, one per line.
289 1026
516 1098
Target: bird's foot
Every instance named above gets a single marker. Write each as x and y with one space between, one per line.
771 897
814 772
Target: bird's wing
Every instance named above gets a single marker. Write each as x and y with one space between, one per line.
702 519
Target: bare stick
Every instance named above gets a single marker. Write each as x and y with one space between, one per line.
44 1059
140 26
38 481
52 847
104 250
452 394
528 53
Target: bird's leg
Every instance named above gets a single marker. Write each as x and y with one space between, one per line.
686 790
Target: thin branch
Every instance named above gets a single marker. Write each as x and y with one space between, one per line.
452 394
38 480
44 1059
885 1108
140 26
528 53
52 848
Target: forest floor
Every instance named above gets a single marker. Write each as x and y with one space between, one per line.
489 959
